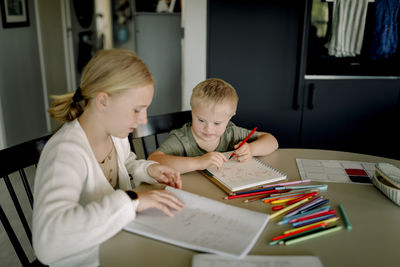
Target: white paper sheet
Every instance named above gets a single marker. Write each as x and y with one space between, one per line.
207 260
204 225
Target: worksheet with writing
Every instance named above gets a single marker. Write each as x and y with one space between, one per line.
204 225
207 260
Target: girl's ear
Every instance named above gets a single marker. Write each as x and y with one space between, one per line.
101 100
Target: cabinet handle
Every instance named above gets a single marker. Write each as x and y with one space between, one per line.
310 101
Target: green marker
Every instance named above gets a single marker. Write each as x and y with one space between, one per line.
345 218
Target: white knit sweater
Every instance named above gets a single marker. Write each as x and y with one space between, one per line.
75 207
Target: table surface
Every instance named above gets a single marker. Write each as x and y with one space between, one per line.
373 241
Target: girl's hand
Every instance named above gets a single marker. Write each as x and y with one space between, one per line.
165 175
211 158
243 153
159 199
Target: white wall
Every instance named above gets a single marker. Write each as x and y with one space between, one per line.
194 47
21 94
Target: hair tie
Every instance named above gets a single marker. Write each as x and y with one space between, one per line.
77 95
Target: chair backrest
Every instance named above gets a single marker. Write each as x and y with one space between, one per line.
13 163
149 134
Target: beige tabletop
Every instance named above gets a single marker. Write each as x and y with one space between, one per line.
373 241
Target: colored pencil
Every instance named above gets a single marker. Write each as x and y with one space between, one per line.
290 192
327 221
287 220
305 206
273 197
313 215
322 187
282 200
288 208
313 235
315 230
345 218
299 231
302 197
244 141
323 202
249 194
254 198
313 220
290 183
253 191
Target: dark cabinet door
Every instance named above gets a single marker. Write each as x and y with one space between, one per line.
254 45
352 115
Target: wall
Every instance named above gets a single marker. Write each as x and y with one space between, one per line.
194 47
21 92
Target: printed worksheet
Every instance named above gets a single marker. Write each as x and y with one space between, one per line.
204 225
336 171
207 260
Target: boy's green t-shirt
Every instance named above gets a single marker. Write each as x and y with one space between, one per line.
181 142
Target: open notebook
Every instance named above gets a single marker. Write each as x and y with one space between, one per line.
236 176
204 225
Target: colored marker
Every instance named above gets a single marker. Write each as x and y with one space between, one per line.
244 141
345 218
313 235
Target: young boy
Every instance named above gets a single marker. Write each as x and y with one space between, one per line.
198 144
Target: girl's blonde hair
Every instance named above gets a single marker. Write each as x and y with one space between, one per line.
112 71
214 91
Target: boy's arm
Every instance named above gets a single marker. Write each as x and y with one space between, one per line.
188 164
265 144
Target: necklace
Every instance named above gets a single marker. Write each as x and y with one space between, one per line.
109 166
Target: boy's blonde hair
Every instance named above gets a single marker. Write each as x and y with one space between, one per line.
214 91
112 71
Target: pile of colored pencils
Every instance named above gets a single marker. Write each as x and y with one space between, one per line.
299 206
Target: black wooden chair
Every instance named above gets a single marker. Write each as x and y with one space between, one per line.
14 162
151 133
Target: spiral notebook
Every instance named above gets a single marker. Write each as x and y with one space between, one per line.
236 176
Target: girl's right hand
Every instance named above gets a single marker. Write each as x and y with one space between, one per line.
212 158
159 199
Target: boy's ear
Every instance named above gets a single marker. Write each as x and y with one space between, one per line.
101 101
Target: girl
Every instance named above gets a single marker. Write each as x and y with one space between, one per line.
83 186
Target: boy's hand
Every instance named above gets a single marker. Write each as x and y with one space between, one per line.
165 175
243 153
159 199
212 158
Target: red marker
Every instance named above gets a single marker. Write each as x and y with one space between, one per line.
244 141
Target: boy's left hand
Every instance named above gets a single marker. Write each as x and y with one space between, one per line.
166 175
243 153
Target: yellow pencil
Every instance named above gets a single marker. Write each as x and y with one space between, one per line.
288 208
282 200
331 220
